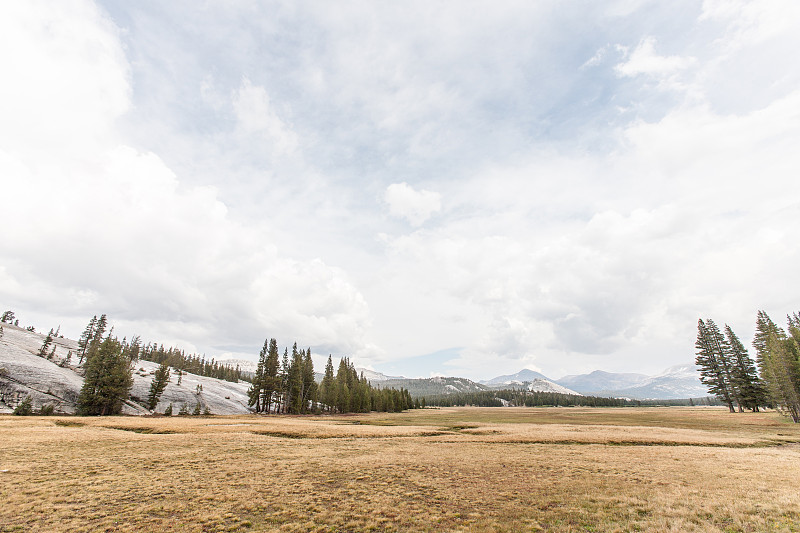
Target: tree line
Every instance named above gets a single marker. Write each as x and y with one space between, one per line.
173 357
730 374
285 386
521 398
288 385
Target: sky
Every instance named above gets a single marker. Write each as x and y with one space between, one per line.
429 188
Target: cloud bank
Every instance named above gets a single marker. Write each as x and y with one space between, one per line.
559 187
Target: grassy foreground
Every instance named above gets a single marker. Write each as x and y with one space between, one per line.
458 469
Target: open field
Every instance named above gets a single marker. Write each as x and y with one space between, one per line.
460 469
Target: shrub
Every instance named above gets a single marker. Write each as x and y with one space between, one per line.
25 407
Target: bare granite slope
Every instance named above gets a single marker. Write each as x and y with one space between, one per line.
58 381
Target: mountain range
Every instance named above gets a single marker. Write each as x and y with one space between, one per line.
681 381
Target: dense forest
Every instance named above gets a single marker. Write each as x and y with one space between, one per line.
288 386
731 375
523 398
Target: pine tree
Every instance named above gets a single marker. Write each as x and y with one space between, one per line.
107 381
157 386
342 390
168 410
746 380
327 389
86 338
25 407
710 355
7 318
284 381
779 363
47 341
133 349
295 382
255 392
196 411
309 383
271 380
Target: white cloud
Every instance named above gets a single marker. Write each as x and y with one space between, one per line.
106 228
573 237
751 22
44 101
644 60
415 206
256 114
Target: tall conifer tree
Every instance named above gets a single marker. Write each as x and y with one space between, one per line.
327 388
710 355
271 380
157 386
779 363
107 381
309 383
745 377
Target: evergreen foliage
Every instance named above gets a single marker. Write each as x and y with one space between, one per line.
168 410
8 317
25 407
712 359
778 357
294 389
107 380
157 386
48 340
309 385
521 398
726 368
327 389
750 389
192 363
86 338
254 393
290 387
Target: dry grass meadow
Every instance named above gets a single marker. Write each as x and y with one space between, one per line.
460 469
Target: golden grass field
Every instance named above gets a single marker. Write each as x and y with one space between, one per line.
458 469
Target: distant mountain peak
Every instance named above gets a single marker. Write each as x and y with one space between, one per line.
523 376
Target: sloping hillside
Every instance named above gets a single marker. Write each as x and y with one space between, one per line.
600 381
680 381
58 381
545 385
432 386
510 380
